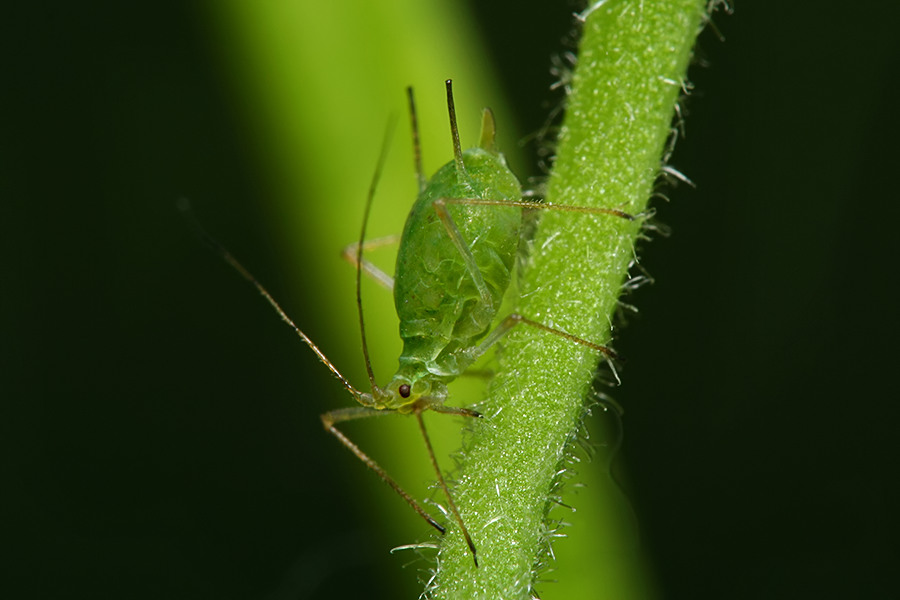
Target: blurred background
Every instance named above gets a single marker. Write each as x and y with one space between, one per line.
160 432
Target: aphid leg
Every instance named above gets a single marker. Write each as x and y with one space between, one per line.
333 417
478 373
455 410
351 252
590 210
442 483
440 207
514 319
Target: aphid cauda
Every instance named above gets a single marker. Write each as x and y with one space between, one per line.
454 265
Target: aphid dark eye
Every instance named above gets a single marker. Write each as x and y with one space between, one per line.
404 390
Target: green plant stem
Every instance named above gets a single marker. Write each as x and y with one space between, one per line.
632 62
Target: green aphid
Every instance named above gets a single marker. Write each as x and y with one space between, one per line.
454 265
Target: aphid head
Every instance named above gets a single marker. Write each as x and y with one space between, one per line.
405 392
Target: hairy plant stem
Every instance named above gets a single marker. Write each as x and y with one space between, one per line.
632 63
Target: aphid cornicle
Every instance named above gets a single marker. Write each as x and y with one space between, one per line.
454 265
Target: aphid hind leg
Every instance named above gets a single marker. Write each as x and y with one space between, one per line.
331 418
589 210
440 207
352 251
507 324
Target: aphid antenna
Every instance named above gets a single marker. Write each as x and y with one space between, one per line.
184 206
382 158
417 148
454 130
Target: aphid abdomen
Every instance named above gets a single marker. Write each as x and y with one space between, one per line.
444 308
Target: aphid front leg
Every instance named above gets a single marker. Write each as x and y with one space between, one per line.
443 483
333 417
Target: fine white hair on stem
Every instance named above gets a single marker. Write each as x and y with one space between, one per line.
670 170
583 15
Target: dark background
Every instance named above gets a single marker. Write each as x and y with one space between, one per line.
153 444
